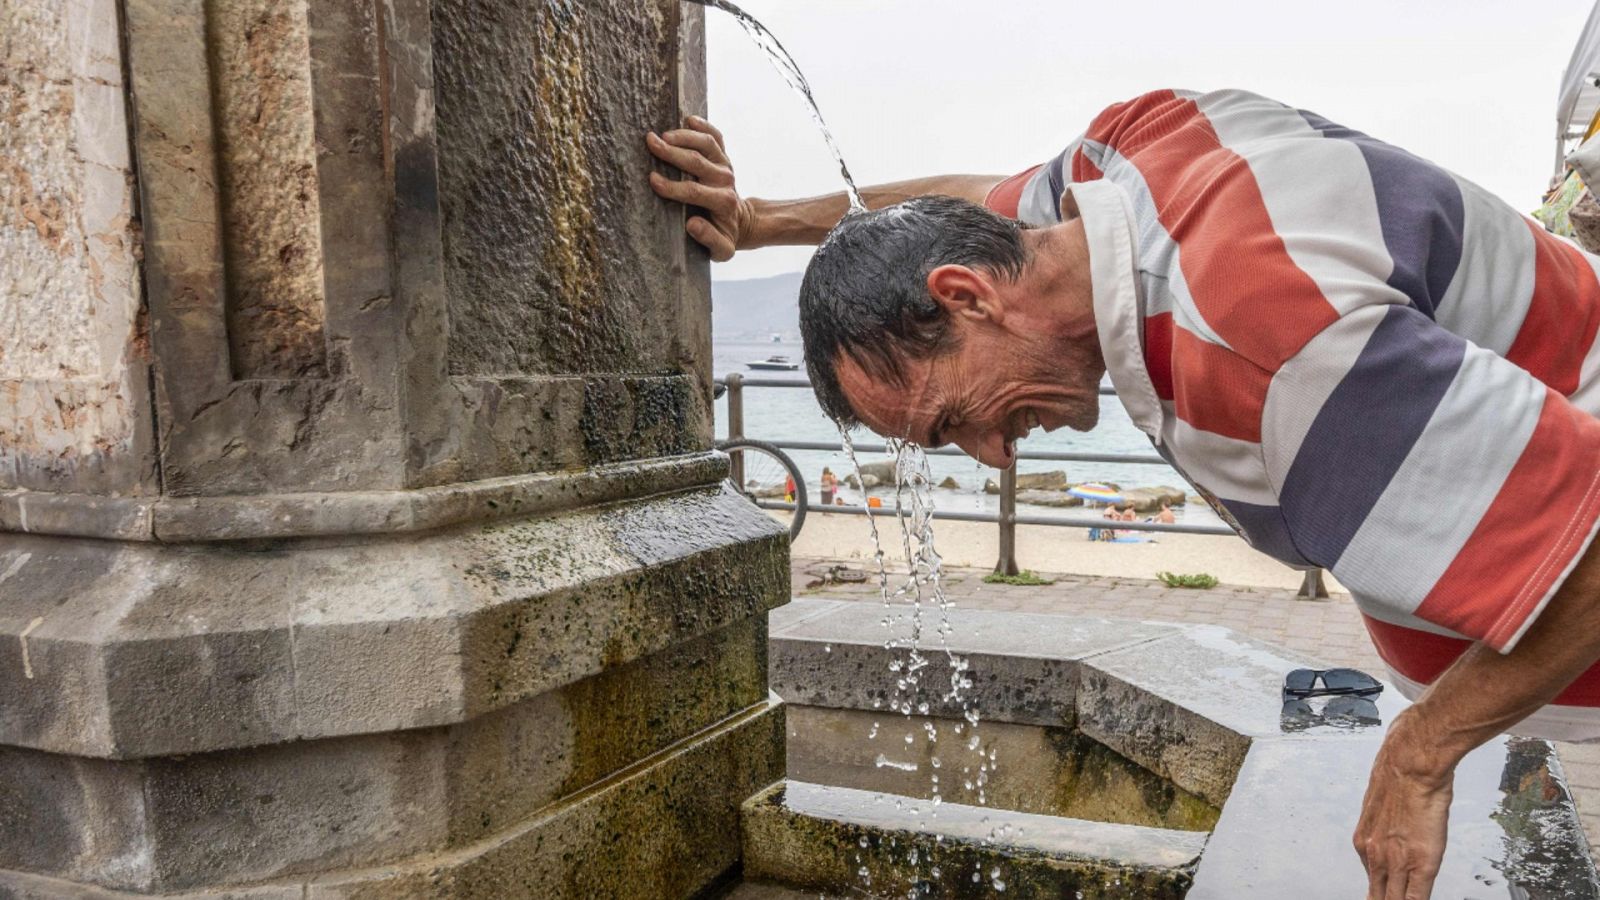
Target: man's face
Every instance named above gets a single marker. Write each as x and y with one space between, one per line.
1001 382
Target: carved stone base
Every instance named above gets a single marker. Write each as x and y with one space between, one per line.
545 703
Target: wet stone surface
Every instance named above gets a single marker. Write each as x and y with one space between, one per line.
1047 771
837 839
830 653
558 258
1201 706
1285 832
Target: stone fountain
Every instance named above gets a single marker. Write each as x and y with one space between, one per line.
359 529
360 534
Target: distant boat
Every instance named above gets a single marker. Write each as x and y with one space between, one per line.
777 338
777 363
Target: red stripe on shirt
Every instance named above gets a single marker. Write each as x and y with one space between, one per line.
1005 197
1134 124
1422 656
1562 315
1517 553
1158 352
1084 169
1216 389
1241 276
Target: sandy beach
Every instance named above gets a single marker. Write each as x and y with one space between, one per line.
1063 550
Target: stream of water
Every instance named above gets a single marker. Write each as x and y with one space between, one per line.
781 60
904 604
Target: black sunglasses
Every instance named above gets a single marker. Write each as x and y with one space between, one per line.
1302 683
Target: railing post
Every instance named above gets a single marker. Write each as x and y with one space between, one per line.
1007 563
735 383
1311 587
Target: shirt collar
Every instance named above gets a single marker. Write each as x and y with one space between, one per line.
1107 216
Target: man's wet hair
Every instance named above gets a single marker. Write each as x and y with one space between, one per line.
865 292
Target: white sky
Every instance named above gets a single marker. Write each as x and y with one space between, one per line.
916 87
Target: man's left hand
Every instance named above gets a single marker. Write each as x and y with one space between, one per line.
1401 835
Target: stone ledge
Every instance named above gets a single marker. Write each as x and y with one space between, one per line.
1024 667
123 650
352 513
1286 830
823 838
1184 701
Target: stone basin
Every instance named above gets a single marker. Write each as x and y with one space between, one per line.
1133 760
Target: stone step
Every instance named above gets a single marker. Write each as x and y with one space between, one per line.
824 838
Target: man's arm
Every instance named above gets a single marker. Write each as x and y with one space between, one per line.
733 222
1401 835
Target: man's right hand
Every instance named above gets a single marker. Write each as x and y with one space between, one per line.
698 151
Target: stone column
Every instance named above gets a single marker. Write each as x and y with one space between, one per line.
359 529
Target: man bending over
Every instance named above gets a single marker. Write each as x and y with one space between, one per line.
1364 362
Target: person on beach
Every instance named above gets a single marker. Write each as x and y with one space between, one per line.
1166 517
1307 323
1105 534
830 484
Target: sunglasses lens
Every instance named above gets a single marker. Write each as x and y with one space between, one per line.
1300 681
1297 708
1350 681
1352 708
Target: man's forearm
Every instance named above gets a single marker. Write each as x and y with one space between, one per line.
1484 693
808 221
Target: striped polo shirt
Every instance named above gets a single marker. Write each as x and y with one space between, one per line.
1369 364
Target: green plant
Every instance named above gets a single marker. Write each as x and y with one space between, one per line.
1026 577
1201 580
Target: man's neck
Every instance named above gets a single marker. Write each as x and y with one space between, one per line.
1058 274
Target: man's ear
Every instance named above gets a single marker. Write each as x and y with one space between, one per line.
966 293
1069 207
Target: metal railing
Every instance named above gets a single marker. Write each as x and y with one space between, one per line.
1007 519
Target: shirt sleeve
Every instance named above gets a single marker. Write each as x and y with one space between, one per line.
1033 196
1445 486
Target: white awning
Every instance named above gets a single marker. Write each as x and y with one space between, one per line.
1580 88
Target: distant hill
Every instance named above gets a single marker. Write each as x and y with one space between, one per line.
755 308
